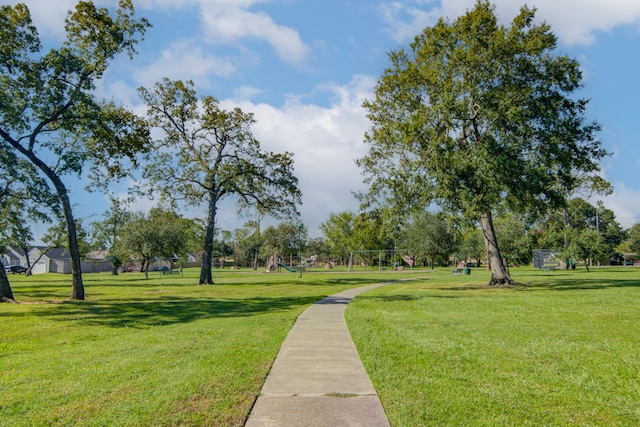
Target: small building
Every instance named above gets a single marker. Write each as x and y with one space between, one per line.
546 259
53 260
13 256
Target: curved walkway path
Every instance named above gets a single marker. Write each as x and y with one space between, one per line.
317 378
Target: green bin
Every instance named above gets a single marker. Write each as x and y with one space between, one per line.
467 271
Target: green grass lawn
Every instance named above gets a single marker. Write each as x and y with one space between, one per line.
440 349
446 350
155 352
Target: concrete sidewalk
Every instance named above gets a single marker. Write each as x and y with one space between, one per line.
318 378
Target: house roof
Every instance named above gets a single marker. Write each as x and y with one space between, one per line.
16 250
57 253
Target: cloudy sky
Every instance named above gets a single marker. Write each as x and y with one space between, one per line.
304 67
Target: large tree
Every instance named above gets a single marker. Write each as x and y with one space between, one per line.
475 115
48 111
208 154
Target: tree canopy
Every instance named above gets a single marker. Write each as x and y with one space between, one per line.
159 234
207 154
430 236
476 115
49 115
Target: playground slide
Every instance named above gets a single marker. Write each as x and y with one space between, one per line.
293 270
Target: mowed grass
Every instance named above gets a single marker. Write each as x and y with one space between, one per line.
440 349
157 352
448 351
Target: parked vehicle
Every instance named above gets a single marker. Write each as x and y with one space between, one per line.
15 269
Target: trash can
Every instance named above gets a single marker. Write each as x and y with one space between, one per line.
467 271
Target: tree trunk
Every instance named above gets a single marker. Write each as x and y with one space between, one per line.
25 249
32 264
499 273
205 270
77 287
5 287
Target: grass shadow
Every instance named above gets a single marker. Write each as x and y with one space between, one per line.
138 313
572 284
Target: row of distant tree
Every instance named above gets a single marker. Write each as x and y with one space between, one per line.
582 232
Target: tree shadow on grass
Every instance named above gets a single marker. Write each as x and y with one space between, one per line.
404 297
142 313
573 284
269 280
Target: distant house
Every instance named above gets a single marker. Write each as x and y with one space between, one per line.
13 256
54 260
194 259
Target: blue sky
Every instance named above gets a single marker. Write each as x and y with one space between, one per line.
304 67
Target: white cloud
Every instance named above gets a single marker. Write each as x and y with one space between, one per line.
625 203
185 60
573 21
325 143
48 16
234 23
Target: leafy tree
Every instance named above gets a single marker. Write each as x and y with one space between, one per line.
477 115
610 230
208 154
283 239
473 246
18 189
587 244
48 112
347 232
560 226
249 242
56 237
318 247
222 247
429 235
339 234
515 245
107 233
159 234
633 238
374 230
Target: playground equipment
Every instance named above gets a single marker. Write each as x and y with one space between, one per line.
380 259
275 264
293 270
